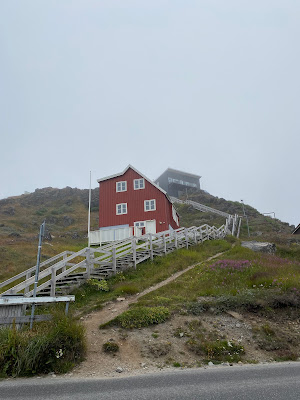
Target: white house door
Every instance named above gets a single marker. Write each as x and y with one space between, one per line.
139 228
151 226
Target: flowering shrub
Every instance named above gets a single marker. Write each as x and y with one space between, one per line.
234 265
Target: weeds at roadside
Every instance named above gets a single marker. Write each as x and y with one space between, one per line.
55 346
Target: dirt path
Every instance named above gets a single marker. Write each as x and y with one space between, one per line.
99 364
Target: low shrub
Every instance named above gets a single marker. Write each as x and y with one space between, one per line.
53 346
99 285
218 350
140 317
126 289
110 347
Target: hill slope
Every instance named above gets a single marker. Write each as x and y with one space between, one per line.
66 212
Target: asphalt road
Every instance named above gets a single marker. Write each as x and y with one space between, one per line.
272 382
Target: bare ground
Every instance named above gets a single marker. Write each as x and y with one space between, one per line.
164 346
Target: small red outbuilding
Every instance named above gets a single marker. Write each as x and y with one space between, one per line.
131 204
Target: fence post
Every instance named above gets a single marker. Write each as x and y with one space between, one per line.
233 226
114 260
64 264
207 234
26 289
226 225
186 238
53 281
176 241
239 228
195 236
87 262
164 243
151 246
133 245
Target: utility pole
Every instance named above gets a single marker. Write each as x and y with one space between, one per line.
244 212
37 270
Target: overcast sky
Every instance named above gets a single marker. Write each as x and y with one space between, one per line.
209 87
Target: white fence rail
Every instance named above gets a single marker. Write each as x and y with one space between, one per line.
103 261
110 235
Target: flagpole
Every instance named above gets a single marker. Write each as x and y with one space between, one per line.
89 216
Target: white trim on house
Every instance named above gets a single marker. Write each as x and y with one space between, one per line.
121 186
149 205
174 215
140 224
139 184
121 208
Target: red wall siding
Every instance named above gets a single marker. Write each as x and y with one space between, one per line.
108 199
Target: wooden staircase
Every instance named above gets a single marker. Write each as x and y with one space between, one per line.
68 270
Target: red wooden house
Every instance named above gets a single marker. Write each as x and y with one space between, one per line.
131 204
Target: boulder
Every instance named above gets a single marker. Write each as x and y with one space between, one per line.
263 247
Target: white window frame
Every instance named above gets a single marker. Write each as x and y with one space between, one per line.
123 208
137 224
148 202
140 180
123 186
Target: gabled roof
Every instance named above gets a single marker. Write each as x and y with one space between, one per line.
179 172
296 229
138 172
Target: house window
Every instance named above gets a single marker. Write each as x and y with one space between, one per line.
121 208
149 205
121 186
140 224
139 184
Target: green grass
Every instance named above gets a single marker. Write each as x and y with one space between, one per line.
147 274
56 346
242 279
139 318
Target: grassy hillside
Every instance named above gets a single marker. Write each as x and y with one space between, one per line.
259 225
66 212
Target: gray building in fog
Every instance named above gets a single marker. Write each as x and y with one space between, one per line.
177 183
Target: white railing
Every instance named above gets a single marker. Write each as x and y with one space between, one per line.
110 235
233 222
121 254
